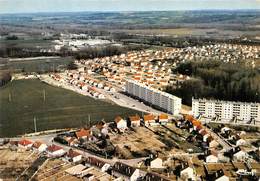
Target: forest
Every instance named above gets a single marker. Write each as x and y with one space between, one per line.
217 80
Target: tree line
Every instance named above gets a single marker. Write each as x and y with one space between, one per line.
218 80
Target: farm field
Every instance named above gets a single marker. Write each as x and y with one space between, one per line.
38 64
22 100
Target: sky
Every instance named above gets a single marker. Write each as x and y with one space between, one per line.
32 6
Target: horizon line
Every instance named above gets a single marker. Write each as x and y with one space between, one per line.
127 11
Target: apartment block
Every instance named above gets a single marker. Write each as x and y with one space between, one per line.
226 110
163 100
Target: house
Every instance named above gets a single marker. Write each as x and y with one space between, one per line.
137 175
150 120
211 159
121 124
163 119
55 151
39 146
156 163
135 121
92 161
240 156
241 142
155 177
187 173
83 133
213 144
122 170
25 144
73 156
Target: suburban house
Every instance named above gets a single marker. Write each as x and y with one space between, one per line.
211 159
25 144
137 175
83 133
39 146
149 120
121 124
135 121
73 156
187 173
240 156
163 119
122 170
156 163
55 151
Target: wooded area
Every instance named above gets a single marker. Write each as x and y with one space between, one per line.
218 80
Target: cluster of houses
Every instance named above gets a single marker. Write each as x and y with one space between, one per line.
146 120
137 65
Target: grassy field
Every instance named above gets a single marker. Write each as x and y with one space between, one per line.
22 100
39 65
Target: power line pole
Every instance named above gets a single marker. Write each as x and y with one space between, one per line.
10 97
35 126
44 95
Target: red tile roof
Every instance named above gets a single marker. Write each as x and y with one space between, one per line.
53 148
118 119
163 116
73 153
82 133
37 144
134 118
149 117
24 142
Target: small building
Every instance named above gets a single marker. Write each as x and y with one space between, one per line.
213 144
187 173
73 156
149 120
135 121
163 119
241 142
223 178
83 133
39 146
211 159
121 124
137 175
25 144
240 156
156 163
55 151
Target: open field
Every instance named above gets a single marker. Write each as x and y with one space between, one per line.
22 100
36 64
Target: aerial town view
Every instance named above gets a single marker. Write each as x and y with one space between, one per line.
129 90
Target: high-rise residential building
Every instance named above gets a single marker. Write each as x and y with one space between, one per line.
226 110
160 99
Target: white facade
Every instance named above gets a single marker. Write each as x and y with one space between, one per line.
226 110
157 163
158 98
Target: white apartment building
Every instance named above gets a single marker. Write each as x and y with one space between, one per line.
226 110
163 100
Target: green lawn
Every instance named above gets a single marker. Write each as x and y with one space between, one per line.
61 109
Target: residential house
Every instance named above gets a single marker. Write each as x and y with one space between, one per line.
213 144
149 120
156 163
55 151
25 144
135 121
121 124
155 177
122 170
211 159
39 146
241 142
137 175
222 178
73 156
240 156
187 173
83 133
163 119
